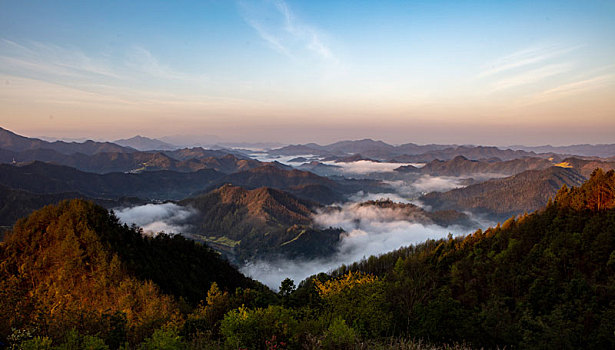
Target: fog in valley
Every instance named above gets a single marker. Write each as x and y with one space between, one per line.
368 230
153 218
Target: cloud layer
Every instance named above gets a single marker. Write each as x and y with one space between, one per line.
369 231
154 218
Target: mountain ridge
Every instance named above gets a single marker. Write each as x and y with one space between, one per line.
14 142
142 143
258 222
504 197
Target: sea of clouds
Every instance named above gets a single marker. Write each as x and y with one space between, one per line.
369 230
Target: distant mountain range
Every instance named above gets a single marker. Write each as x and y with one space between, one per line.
411 152
366 147
16 143
31 186
379 150
602 150
142 143
108 157
37 172
462 167
302 184
45 178
107 162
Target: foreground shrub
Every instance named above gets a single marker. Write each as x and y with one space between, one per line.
253 328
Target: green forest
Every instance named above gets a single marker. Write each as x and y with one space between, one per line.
73 277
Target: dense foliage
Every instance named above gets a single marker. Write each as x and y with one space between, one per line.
545 280
70 279
73 266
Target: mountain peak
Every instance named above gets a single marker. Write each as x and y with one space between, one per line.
143 143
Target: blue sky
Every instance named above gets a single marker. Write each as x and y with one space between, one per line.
493 72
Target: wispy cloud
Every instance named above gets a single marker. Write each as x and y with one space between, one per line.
141 59
50 76
277 25
532 76
135 76
523 58
47 58
575 88
70 65
271 39
582 85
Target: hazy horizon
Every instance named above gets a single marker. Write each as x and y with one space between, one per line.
212 140
475 72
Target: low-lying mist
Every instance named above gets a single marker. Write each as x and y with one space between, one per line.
369 231
409 190
363 167
154 218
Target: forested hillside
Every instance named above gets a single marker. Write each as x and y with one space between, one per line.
70 274
544 280
73 266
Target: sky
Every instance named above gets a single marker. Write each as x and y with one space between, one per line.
480 72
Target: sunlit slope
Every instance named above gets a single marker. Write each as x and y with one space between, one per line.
73 262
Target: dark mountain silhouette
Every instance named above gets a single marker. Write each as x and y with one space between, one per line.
259 223
299 150
317 193
201 153
141 143
272 176
106 157
106 162
409 152
412 148
320 168
13 142
368 147
15 204
231 164
462 166
286 180
601 150
501 198
469 152
41 177
301 183
353 158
